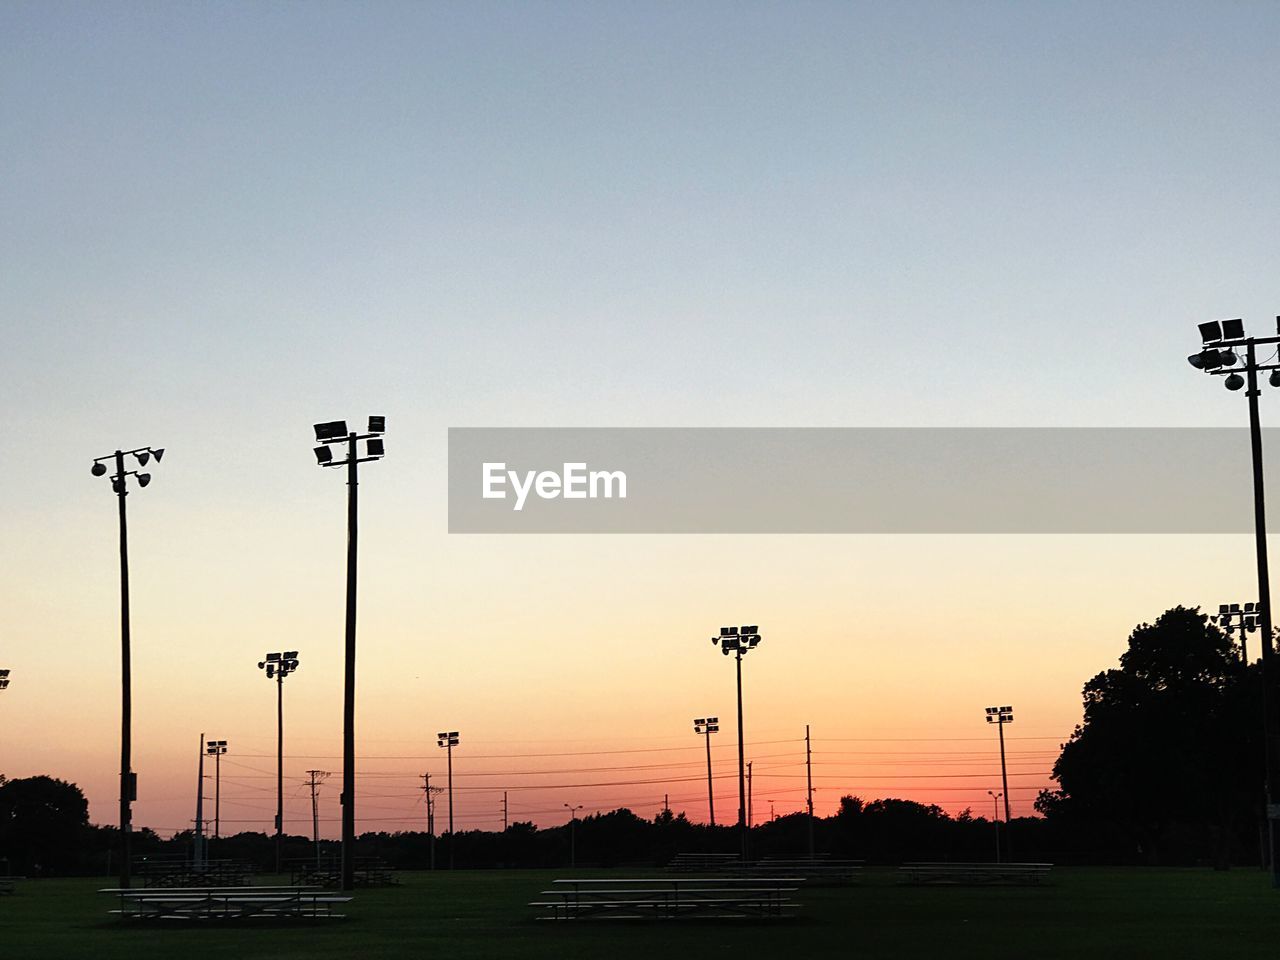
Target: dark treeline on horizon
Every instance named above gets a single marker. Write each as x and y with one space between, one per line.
1165 768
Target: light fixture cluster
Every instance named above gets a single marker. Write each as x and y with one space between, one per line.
279 665
335 431
1220 338
999 714
216 748
449 739
143 455
707 725
737 640
4 679
1249 617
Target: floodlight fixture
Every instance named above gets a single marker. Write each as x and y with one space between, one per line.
1274 379
99 469
4 679
331 430
377 424
144 479
142 457
1210 331
1233 329
375 447
1234 382
323 455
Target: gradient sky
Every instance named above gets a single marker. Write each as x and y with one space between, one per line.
224 222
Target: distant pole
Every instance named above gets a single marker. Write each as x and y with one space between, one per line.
740 641
504 811
314 779
430 793
750 793
449 739
128 781
808 765
197 849
666 804
995 819
573 825
1000 716
278 666
706 726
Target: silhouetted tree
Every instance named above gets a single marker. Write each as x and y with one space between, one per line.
44 824
1169 749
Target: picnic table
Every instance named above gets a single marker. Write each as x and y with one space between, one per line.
225 903
670 898
975 874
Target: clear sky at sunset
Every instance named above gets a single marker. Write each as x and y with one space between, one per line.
225 222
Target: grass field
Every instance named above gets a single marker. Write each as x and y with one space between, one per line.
1087 914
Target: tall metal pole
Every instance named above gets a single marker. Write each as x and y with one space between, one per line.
1264 598
279 764
711 793
431 817
450 753
1004 776
995 819
127 783
808 767
314 782
742 767
750 796
504 811
198 851
217 794
349 684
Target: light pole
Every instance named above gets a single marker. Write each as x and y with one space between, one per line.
278 666
573 825
215 749
995 820
706 726
449 740
1230 617
739 642
1000 716
198 851
335 432
1216 357
128 780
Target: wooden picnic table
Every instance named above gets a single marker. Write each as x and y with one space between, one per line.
670 898
225 903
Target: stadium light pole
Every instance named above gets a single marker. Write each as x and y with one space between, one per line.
1217 357
706 726
739 642
449 740
573 829
1000 716
128 781
1231 617
995 804
277 667
215 749
335 432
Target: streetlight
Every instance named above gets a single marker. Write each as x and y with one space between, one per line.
449 740
1000 716
1231 616
278 666
215 749
706 727
128 780
1218 353
739 641
573 824
334 432
995 818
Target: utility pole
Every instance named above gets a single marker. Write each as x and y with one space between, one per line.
573 825
666 805
128 779
504 811
750 793
197 849
314 779
431 792
995 820
808 769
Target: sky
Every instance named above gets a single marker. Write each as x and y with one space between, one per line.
226 222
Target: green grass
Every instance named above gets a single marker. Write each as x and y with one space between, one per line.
1087 914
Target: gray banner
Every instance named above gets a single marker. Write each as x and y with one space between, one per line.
851 480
